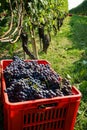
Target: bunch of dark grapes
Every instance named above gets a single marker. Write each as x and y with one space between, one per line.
30 80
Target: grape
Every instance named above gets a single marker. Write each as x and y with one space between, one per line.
30 80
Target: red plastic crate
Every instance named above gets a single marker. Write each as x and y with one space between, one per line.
30 115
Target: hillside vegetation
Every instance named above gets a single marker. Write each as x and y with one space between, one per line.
81 9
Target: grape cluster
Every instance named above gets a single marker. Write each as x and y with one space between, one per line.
30 80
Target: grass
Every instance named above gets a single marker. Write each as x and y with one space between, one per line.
68 57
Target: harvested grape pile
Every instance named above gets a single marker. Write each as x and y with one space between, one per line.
30 80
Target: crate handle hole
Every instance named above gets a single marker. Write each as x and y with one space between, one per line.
47 105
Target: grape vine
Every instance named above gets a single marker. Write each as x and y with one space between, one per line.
31 15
